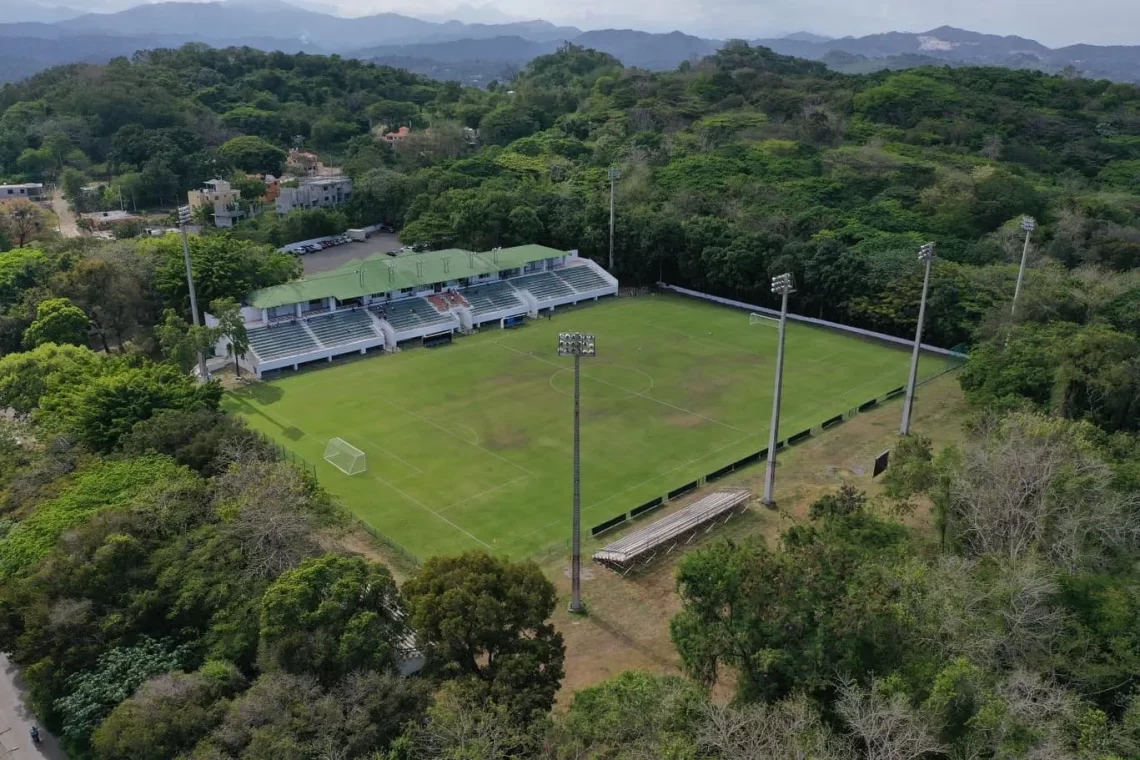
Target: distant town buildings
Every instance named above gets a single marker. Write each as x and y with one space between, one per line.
223 200
101 220
314 192
32 191
398 136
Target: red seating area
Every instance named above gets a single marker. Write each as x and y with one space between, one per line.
445 300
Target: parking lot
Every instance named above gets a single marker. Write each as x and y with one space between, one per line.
339 255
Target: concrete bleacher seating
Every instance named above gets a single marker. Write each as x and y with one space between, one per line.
280 341
343 327
543 286
493 296
641 546
412 314
581 278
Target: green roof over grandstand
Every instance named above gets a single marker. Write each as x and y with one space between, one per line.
382 273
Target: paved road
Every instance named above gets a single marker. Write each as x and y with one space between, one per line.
67 223
16 721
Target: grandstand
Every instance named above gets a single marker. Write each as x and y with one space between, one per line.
414 313
582 279
545 286
343 328
281 340
385 302
642 546
492 298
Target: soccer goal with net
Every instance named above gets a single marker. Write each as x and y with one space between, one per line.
763 319
345 457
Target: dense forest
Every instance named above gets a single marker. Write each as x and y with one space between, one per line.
173 589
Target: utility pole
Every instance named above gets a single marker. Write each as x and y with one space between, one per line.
184 217
925 253
576 345
615 175
1028 224
782 285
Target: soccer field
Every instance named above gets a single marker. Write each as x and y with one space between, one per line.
469 445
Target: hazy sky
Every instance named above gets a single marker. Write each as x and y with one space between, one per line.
1053 22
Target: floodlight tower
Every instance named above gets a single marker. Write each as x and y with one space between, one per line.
1028 224
576 345
184 217
615 175
925 253
782 285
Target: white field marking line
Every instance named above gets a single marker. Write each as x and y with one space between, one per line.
402 461
472 430
481 494
403 493
421 418
615 494
419 503
633 393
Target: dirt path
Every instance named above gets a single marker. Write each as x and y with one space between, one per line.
16 721
68 226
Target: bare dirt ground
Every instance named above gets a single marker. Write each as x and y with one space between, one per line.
68 226
627 625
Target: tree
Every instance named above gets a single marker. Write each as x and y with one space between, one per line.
231 328
253 154
636 715
1030 485
505 124
57 321
22 219
93 694
181 342
224 267
26 377
251 187
168 714
885 724
792 619
332 616
482 616
102 411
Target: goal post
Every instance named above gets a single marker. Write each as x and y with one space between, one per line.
345 457
763 319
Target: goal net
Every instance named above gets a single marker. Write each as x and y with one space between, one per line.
345 457
763 319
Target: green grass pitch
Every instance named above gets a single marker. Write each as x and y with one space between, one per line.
469 445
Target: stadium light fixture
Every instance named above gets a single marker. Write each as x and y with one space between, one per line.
615 175
185 215
1029 224
577 345
925 254
782 285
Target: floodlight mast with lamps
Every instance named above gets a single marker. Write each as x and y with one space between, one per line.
782 285
576 345
925 253
615 175
184 217
1029 224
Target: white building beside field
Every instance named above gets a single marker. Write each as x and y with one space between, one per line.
384 302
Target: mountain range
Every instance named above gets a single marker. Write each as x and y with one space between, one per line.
477 52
